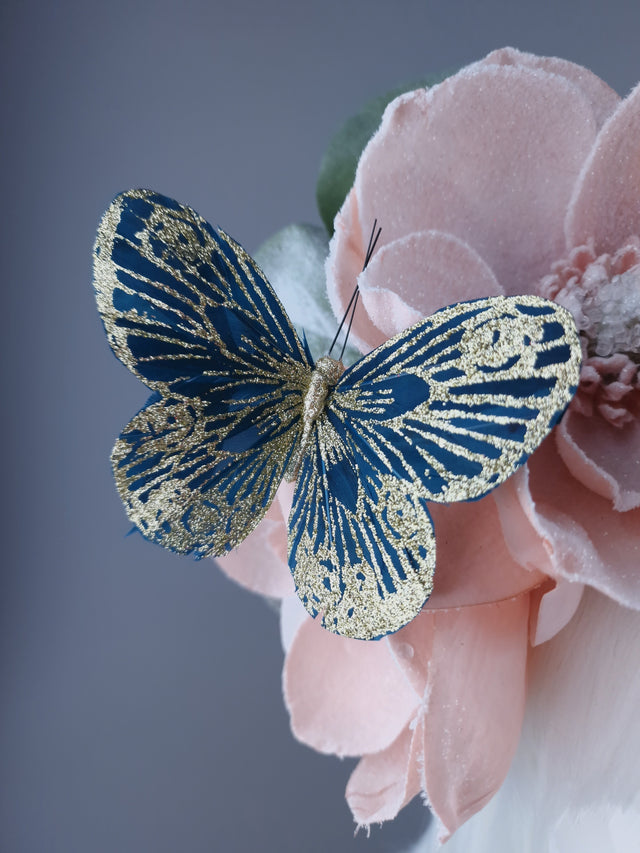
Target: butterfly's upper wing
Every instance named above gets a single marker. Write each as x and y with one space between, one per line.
189 312
445 411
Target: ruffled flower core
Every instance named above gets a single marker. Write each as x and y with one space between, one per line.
603 294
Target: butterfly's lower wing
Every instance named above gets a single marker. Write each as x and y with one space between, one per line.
189 490
190 313
361 543
445 411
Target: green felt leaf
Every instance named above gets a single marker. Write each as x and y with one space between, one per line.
338 166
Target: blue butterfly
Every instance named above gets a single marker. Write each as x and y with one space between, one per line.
444 411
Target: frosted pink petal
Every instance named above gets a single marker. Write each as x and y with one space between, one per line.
473 563
260 562
346 697
416 275
384 782
344 265
602 98
584 538
556 609
471 157
603 457
474 705
606 201
292 617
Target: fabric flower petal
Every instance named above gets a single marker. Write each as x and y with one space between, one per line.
441 157
344 696
420 273
386 781
582 538
260 562
347 252
556 608
606 201
602 98
579 746
473 563
474 705
603 457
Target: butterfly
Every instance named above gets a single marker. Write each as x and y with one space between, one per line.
444 411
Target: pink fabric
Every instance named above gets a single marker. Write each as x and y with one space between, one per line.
260 562
346 697
605 203
387 286
384 782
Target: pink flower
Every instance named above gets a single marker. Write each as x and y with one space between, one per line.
519 174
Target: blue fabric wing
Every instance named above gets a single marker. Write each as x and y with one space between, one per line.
457 402
361 543
190 313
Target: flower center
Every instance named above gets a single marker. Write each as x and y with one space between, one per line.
603 294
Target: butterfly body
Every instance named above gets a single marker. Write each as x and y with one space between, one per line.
444 411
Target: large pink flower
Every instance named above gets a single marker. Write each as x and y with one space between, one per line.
519 174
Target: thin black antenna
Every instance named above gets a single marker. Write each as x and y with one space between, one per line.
351 307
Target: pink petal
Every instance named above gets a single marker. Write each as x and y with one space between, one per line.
491 155
603 457
602 98
556 609
473 563
386 781
474 705
344 264
606 201
260 562
416 275
344 696
292 617
583 538
578 751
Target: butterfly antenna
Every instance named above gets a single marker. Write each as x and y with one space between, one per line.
351 307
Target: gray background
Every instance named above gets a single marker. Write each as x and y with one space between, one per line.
140 692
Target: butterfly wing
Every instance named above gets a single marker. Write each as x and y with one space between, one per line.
189 312
444 411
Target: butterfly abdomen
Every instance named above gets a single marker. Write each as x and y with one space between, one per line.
325 375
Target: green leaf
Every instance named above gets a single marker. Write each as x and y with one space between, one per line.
338 166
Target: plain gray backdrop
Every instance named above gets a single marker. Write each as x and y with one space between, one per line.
140 691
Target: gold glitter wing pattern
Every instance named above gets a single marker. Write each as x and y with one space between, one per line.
444 411
190 313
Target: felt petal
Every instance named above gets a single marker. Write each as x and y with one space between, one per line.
418 274
583 538
474 705
473 563
555 610
346 258
603 457
602 98
578 753
292 617
490 155
386 781
606 201
293 260
344 696
260 561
